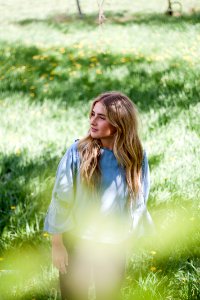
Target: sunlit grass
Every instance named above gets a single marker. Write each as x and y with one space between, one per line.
52 65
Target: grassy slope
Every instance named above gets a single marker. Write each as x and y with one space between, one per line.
52 66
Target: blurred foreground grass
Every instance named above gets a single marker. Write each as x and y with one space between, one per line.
52 65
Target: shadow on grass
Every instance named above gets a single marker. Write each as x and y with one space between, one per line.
62 21
155 19
25 192
71 75
65 23
155 160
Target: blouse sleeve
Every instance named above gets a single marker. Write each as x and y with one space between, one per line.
59 217
141 218
145 178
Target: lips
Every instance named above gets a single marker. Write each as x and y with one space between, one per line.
93 129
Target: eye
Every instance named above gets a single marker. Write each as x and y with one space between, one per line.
102 118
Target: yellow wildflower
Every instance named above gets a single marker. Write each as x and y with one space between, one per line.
124 59
153 269
81 53
36 57
71 57
93 59
98 71
45 234
78 66
62 50
183 279
79 46
17 151
43 76
124 51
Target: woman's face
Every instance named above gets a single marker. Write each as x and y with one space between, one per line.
100 128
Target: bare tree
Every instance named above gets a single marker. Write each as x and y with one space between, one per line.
101 11
171 5
79 9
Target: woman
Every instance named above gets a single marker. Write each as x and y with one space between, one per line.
99 200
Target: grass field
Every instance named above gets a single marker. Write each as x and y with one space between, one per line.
52 65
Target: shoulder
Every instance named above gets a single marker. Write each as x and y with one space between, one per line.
69 160
72 152
73 147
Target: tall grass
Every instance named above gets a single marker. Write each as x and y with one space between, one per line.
52 65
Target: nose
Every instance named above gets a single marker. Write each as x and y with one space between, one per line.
93 121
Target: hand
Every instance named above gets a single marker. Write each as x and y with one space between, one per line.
60 257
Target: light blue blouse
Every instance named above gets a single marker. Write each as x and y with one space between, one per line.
105 216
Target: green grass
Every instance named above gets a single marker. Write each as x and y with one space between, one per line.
52 65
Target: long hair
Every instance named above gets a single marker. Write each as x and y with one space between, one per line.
122 114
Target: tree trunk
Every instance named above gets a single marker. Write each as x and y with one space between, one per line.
169 9
79 9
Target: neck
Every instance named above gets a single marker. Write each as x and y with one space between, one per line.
108 143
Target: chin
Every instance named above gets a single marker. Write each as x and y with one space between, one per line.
94 135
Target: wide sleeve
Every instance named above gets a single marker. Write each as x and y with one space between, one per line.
141 218
145 178
59 217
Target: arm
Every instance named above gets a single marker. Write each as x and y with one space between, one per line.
145 178
59 253
138 209
59 217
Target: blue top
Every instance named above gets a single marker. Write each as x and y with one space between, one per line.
105 216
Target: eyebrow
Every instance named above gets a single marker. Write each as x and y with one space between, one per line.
98 114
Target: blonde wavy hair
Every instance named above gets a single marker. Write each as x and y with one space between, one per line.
122 114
